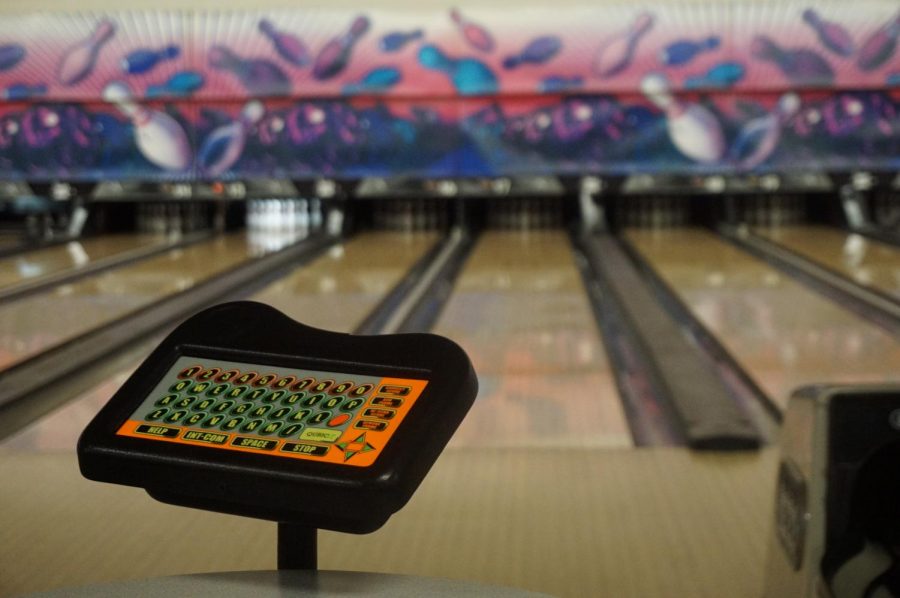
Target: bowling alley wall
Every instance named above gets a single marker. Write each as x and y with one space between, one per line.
441 92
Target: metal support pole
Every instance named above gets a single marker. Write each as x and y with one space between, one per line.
297 547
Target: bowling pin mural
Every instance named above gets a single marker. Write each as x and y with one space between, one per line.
258 76
880 46
468 75
799 65
289 47
334 56
181 84
475 35
831 35
720 76
225 144
616 54
159 137
397 40
144 60
376 80
683 51
78 61
759 137
693 129
538 51
11 55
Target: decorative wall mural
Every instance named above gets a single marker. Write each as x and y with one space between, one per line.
456 92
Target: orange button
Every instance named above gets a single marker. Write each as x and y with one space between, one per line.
339 420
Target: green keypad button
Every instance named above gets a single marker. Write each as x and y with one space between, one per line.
242 408
320 417
279 413
180 385
291 430
265 380
199 387
246 378
223 407
190 372
271 428
293 398
217 390
166 400
300 415
254 394
322 385
213 420
341 388
156 414
331 403
184 403
176 416
261 411
194 419
303 384
209 374
236 392
228 376
361 390
274 396
352 404
252 425
285 382
311 400
232 423
204 404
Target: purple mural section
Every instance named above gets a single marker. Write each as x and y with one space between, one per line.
455 92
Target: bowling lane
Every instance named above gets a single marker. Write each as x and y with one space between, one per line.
336 291
42 263
38 322
520 310
783 334
866 261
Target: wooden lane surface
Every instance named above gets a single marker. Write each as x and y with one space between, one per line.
520 310
648 523
37 322
40 263
783 334
339 289
863 260
335 291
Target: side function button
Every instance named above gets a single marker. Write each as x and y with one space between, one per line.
390 402
372 425
395 389
380 413
190 372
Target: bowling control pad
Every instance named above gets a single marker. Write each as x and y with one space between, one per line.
294 413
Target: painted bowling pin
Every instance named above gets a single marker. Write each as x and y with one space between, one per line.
759 137
694 130
378 79
879 47
290 47
79 60
615 55
334 56
799 65
831 35
159 137
468 75
181 84
11 55
22 91
477 36
684 51
255 74
720 76
142 61
397 40
225 144
538 51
